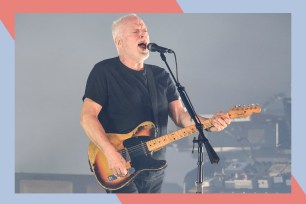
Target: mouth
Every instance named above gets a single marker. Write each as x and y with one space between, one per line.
143 45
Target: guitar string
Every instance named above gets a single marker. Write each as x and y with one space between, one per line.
179 132
141 146
136 148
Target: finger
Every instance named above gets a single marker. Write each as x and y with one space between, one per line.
223 118
222 115
218 115
116 172
217 125
219 122
123 162
222 122
123 172
226 118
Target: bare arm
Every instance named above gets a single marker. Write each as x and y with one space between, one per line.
96 133
181 117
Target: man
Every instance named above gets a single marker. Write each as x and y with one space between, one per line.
117 99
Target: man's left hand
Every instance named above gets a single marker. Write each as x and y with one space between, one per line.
219 121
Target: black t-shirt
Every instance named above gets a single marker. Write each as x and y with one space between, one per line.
123 94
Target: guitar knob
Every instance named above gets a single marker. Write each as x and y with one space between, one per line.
131 170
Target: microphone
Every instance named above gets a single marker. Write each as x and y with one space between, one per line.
155 48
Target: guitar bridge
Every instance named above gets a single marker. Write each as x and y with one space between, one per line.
114 176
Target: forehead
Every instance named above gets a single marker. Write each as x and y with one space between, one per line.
133 22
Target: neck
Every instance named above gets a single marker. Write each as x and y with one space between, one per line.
132 64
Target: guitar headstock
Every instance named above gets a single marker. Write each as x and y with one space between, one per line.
244 111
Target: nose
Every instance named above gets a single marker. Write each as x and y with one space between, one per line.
143 34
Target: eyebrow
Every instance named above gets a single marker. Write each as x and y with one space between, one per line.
137 29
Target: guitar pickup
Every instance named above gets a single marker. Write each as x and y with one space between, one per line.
114 176
125 154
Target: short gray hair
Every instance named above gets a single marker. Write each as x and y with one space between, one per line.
116 24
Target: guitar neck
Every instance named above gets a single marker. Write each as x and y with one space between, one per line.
236 112
160 142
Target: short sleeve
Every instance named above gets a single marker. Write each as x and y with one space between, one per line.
96 86
172 94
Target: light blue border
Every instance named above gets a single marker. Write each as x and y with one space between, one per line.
7 138
236 6
189 6
298 46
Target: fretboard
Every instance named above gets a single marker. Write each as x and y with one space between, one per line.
162 141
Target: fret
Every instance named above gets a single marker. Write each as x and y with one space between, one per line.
236 112
160 142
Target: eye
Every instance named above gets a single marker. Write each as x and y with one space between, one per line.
135 31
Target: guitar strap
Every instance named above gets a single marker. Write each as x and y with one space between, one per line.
153 96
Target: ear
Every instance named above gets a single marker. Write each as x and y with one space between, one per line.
117 41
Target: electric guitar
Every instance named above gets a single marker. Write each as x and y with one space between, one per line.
136 148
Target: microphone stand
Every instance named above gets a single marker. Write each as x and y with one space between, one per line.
201 137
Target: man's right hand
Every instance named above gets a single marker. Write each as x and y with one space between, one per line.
116 163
